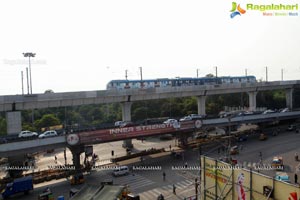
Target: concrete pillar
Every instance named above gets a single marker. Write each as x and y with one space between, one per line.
126 116
13 122
289 98
76 151
252 101
201 105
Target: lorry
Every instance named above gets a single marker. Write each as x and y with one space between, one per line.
24 184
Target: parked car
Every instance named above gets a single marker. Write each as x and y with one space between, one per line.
170 121
196 116
291 127
126 124
186 118
26 134
48 134
268 112
119 123
285 110
245 113
120 171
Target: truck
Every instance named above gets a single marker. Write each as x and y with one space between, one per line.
24 184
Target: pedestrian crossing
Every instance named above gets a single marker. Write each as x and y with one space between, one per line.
134 181
167 191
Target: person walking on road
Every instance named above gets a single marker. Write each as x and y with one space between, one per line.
164 176
174 189
55 159
296 179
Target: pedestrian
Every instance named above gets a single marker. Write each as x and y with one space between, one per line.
296 156
164 176
185 165
170 147
55 159
296 179
174 189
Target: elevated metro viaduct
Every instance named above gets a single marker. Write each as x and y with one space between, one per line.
76 142
12 104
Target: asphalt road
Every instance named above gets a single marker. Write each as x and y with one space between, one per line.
143 178
285 144
149 183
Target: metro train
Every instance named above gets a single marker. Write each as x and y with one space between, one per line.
177 82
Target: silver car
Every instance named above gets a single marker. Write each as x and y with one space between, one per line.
26 134
48 134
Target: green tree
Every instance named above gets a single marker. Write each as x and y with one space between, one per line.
46 121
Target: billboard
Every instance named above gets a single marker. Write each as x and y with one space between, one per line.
220 180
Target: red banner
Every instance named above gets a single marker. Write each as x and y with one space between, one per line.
130 132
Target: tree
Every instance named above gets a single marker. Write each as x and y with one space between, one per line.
209 75
47 121
49 91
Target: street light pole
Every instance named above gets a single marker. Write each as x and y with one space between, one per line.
27 80
29 55
197 73
126 74
266 74
141 72
22 78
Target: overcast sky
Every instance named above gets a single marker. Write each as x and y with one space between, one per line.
81 45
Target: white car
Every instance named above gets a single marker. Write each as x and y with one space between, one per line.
196 116
120 171
268 112
119 123
170 121
285 110
48 134
25 134
187 118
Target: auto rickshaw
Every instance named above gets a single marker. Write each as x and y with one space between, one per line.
277 163
263 136
46 195
234 150
77 179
